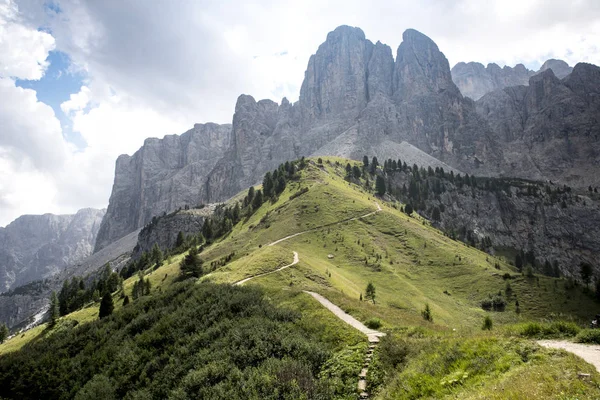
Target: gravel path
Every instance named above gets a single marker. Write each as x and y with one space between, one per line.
589 352
296 259
326 225
372 334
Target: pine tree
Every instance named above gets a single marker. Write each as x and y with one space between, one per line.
54 309
408 209
156 255
280 184
179 242
356 172
268 185
258 200
370 292
250 195
586 270
519 262
426 313
365 161
380 185
3 333
126 300
348 169
374 165
191 265
106 306
207 229
236 213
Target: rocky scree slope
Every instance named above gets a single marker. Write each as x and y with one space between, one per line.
36 247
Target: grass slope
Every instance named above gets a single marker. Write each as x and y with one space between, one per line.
411 264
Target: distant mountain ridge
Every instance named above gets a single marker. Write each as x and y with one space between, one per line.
474 80
356 100
35 247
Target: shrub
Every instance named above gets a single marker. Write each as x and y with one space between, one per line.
588 336
373 323
487 323
426 313
495 303
393 351
553 329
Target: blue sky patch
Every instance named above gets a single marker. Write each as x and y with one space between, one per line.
56 87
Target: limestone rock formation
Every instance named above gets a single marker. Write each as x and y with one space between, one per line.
550 128
35 247
357 100
163 175
560 68
474 80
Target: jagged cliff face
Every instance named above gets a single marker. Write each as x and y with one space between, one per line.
163 175
550 128
39 246
355 100
474 80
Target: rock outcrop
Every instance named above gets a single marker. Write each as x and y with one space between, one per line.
163 231
36 247
474 80
550 128
554 224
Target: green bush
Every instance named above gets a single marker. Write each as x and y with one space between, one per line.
487 323
588 336
373 323
554 329
190 341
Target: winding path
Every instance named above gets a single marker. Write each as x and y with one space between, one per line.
589 352
372 335
327 225
296 259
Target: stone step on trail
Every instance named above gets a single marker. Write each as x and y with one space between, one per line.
372 336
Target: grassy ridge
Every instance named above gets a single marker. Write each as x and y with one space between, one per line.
411 264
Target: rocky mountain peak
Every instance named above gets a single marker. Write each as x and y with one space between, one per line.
334 82
421 68
380 71
559 67
585 81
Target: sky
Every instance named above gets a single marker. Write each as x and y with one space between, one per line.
83 81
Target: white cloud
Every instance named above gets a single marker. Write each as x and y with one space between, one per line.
23 50
32 151
77 101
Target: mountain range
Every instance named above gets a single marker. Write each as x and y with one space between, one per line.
356 100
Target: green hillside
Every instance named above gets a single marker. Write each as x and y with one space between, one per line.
348 238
